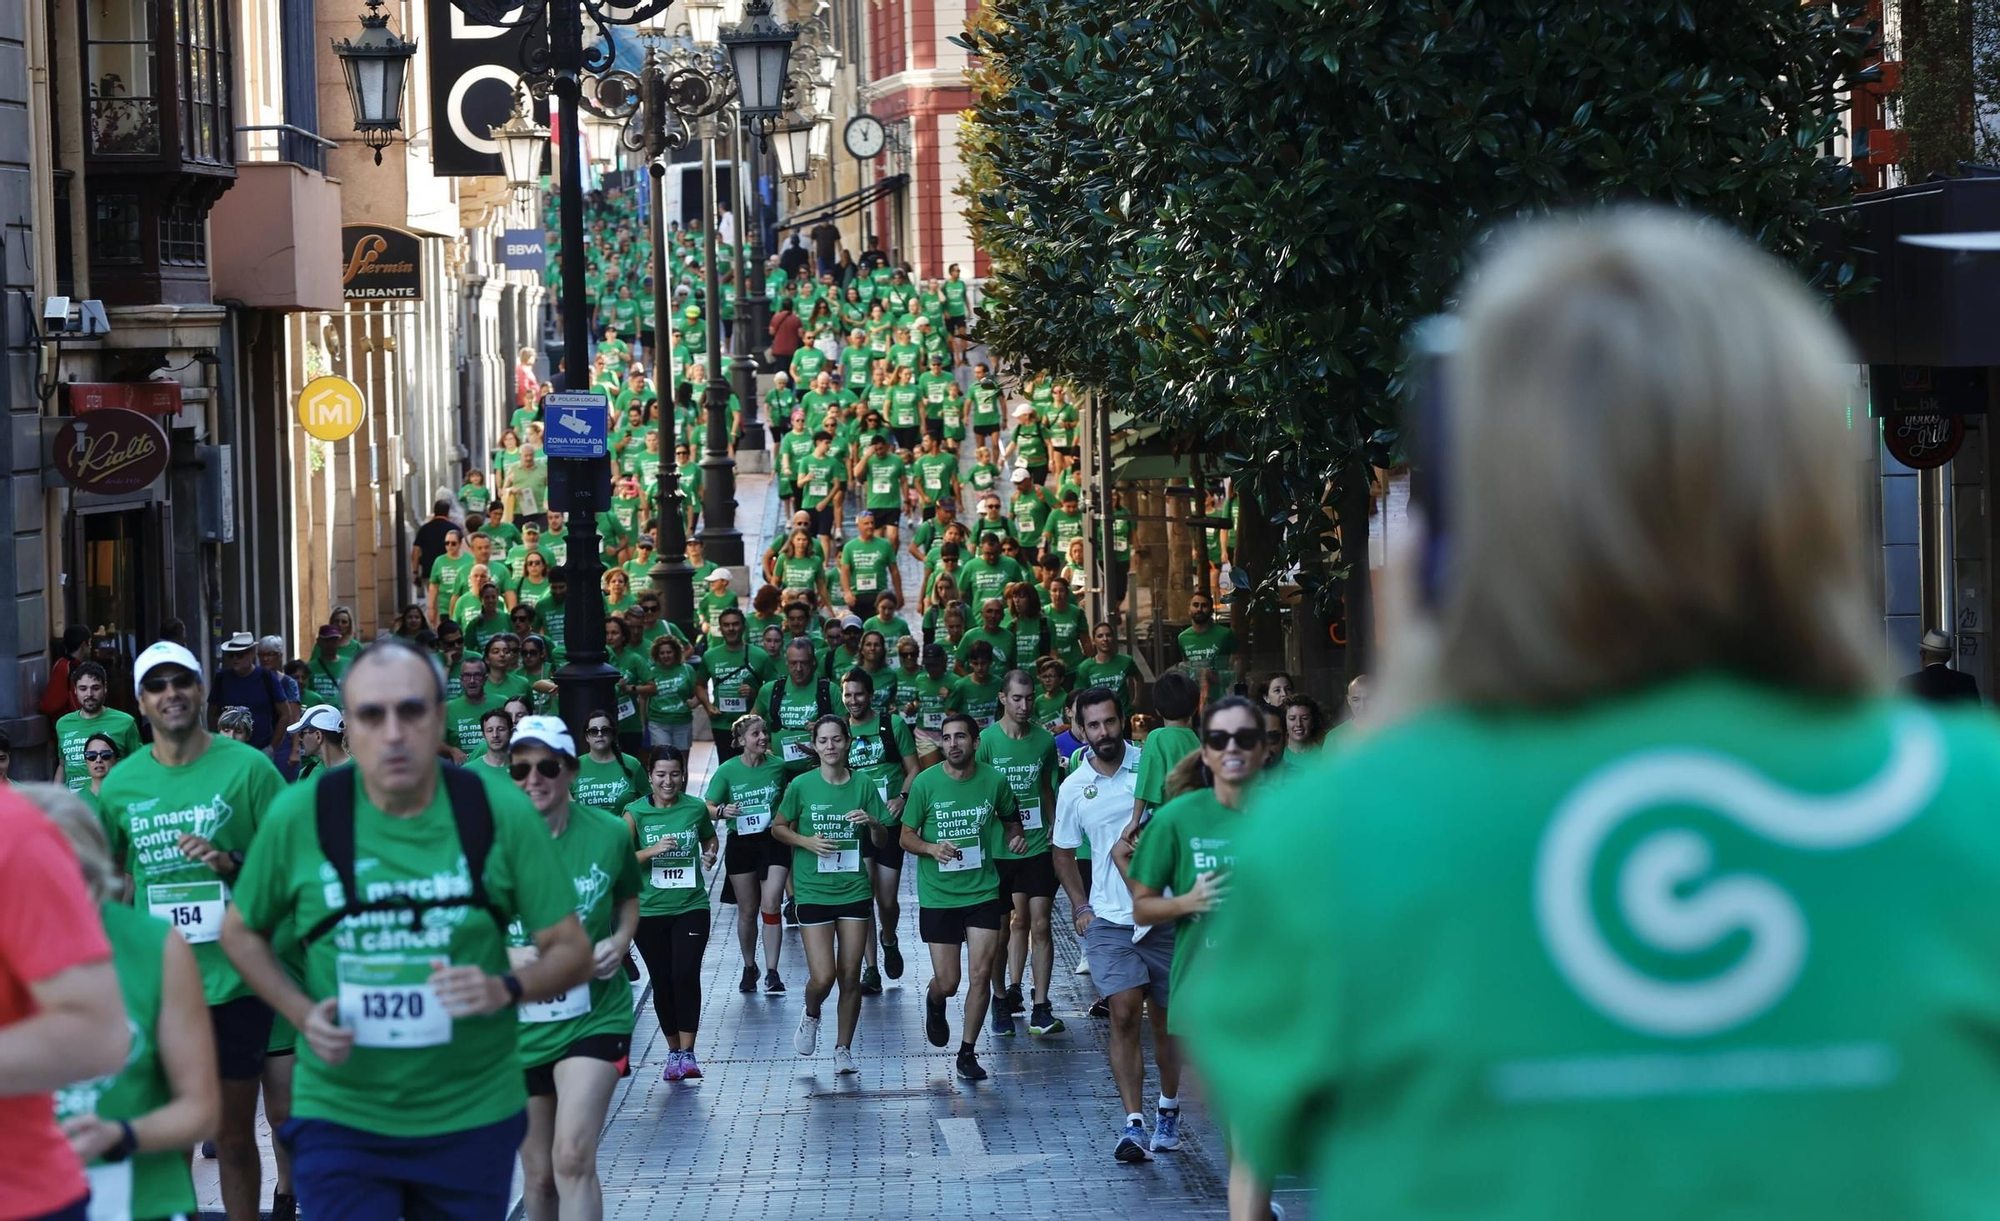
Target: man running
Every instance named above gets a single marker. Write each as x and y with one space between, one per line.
90 687
953 820
401 877
1024 753
736 669
181 815
791 702
1093 806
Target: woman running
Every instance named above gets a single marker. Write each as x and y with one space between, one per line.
572 1043
823 816
677 847
745 790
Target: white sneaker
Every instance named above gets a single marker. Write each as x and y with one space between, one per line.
1082 966
843 1061
807 1039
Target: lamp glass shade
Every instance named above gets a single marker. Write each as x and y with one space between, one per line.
760 53
822 137
794 149
704 21
732 12
374 66
822 99
521 146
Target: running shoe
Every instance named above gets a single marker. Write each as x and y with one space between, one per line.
843 1062
892 960
968 1067
284 1207
1003 1026
1132 1143
1167 1130
1045 1021
1012 999
772 983
871 981
791 913
807 1039
674 1069
936 1028
690 1071
1082 965
1100 1008
749 980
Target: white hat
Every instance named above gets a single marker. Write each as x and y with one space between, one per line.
1021 409
163 653
241 642
720 574
548 730
1935 641
1022 472
323 717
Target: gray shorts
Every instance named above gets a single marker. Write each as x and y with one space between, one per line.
1118 965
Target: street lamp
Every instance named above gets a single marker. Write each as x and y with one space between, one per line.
794 147
760 52
822 136
375 65
521 142
704 21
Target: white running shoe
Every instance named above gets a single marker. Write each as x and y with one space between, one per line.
843 1061
1082 966
807 1039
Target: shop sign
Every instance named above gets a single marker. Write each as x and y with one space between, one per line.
1922 442
111 451
331 408
152 398
1927 390
521 250
381 263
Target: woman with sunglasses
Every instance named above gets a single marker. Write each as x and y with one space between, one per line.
100 752
605 777
673 689
572 1043
677 846
534 583
1185 847
822 818
745 789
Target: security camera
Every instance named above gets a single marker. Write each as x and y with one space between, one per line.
55 315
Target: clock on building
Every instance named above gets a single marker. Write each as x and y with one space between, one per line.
865 136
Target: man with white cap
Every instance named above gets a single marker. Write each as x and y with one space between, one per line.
181 815
402 876
1032 505
321 738
1937 681
715 599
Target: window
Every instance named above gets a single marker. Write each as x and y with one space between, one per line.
204 64
183 236
115 234
123 79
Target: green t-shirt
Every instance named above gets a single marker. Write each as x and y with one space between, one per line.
1003 641
224 796
870 561
755 789
934 473
799 571
674 882
815 806
1024 761
818 475
904 405
1186 838
324 677
461 721
932 696
674 686
979 580
983 476
1111 675
1068 629
1031 514
791 717
594 851
1164 747
414 1070
608 786
1208 651
985 404
980 701
892 629
970 814
728 670
877 751
1061 529
72 731
882 481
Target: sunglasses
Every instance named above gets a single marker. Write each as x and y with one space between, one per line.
1245 739
597 731
92 756
154 684
549 768
372 715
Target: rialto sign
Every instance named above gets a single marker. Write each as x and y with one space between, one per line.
381 263
112 452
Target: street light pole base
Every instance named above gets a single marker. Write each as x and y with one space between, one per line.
752 460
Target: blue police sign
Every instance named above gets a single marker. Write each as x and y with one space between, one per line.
578 425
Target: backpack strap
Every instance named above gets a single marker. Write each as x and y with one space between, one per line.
333 821
824 694
473 816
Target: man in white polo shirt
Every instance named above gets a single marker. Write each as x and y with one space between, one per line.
1095 801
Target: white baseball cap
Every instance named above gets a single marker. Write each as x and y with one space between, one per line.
323 717
548 730
720 574
163 653
1022 472
1021 409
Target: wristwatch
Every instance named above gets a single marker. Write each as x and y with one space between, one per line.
514 989
128 1144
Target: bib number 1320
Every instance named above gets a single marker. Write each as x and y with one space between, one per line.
387 1000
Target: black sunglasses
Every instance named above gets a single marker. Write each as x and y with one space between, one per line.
1245 739
550 768
591 731
93 756
154 684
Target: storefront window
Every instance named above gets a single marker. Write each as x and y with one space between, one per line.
123 79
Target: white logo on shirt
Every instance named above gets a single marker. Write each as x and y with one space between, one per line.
1665 893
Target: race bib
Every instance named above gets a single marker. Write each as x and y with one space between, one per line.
677 874
193 909
387 1000
933 720
751 824
733 703
627 709
970 857
1031 817
865 582
796 752
842 860
571 1004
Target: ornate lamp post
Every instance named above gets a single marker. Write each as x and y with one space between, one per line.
375 65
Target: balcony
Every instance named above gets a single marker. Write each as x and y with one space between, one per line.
282 219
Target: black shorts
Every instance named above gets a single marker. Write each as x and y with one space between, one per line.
1067 451
934 428
826 913
1033 876
822 520
947 925
1040 474
985 432
906 438
887 517
610 1048
890 857
953 326
242 1037
758 853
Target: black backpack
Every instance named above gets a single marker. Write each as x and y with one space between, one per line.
822 696
333 818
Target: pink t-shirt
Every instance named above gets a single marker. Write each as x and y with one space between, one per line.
47 926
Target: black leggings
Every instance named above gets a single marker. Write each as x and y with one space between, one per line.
672 947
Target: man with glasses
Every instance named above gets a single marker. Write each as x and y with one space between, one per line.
89 686
462 739
451 652
180 817
402 877
447 577
736 671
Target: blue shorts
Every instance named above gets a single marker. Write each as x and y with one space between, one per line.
345 1174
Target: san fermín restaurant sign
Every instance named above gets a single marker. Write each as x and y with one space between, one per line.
381 263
